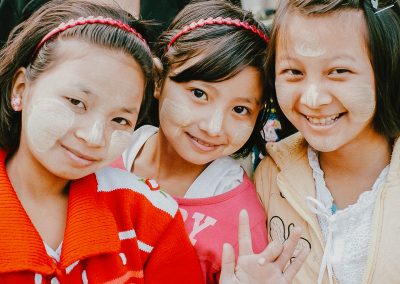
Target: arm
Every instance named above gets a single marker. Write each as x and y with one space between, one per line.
173 259
269 266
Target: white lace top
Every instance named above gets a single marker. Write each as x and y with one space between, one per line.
346 232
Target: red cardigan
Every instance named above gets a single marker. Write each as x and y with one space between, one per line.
118 231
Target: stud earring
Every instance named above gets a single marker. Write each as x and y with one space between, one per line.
16 104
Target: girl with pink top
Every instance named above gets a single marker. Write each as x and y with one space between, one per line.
209 107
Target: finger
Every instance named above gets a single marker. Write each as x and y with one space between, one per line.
272 251
288 248
227 263
296 264
244 235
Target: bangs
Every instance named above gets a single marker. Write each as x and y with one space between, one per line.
223 61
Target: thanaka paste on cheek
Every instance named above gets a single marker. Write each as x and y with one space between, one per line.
120 140
361 102
285 98
171 110
48 121
242 134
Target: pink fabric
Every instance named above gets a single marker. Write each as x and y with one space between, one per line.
211 222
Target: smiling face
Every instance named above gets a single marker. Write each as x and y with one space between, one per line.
78 116
203 121
324 79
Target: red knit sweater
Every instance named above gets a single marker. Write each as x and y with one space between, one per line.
118 231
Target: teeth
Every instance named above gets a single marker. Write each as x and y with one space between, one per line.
324 120
202 142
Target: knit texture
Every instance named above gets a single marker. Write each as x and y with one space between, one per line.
118 231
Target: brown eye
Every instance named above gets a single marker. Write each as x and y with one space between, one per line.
77 103
241 110
121 121
199 94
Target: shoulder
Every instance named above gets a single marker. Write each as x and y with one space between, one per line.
133 189
281 155
139 138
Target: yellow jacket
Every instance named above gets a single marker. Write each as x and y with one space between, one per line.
284 180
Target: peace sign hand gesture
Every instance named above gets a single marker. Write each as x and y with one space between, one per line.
269 266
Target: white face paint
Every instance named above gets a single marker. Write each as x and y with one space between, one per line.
78 116
309 45
329 98
204 121
48 121
239 138
215 123
179 113
94 135
361 101
310 97
309 49
120 140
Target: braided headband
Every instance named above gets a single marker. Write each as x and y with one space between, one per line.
219 21
90 20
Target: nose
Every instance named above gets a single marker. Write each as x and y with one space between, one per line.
314 97
93 134
212 124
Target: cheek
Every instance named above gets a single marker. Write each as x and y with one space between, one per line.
286 97
239 138
47 121
360 101
120 140
176 112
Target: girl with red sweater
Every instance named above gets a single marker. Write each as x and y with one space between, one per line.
72 78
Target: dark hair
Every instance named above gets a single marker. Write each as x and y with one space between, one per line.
20 51
382 41
228 50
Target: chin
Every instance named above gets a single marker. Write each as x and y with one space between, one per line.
323 145
73 174
195 160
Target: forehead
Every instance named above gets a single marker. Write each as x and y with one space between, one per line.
335 32
105 73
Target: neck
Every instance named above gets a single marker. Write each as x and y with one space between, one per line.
354 168
160 161
371 154
30 178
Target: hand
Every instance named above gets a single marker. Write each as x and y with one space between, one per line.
269 266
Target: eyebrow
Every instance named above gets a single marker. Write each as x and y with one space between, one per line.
130 110
338 57
247 100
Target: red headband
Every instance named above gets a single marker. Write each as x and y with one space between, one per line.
220 21
90 20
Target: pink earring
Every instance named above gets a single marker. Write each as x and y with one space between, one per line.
16 103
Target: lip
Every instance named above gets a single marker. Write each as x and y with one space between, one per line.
79 159
202 144
323 121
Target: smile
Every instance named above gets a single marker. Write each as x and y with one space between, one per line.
322 121
78 158
201 144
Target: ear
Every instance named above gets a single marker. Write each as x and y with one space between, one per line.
19 88
158 70
157 91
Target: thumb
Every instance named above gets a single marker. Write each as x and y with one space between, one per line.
227 264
